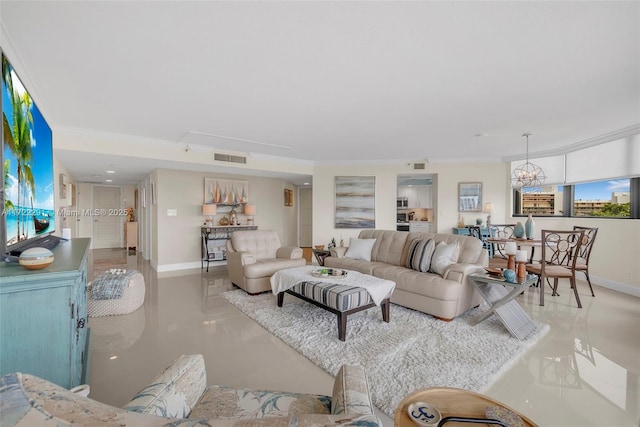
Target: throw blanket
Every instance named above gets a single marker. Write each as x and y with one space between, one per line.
111 284
379 289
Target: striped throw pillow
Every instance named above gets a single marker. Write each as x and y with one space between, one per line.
420 253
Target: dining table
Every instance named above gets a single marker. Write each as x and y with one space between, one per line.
520 243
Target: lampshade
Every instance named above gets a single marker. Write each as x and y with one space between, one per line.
209 209
249 209
489 208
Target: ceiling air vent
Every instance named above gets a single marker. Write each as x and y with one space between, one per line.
420 166
229 158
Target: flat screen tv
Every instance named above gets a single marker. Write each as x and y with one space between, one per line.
27 158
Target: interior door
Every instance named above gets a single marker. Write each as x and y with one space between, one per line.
107 224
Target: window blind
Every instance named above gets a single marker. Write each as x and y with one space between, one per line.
611 160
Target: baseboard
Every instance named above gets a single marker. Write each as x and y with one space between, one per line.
616 286
186 266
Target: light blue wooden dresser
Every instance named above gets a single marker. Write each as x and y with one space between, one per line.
43 317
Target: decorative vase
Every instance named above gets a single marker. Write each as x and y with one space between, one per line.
529 224
479 221
518 230
509 275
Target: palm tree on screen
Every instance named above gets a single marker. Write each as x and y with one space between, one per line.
18 138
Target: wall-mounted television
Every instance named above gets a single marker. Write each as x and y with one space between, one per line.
27 159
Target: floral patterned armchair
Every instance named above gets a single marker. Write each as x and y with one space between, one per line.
180 397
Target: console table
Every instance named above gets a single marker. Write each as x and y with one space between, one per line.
44 317
484 231
214 241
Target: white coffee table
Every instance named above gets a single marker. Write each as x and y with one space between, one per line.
500 294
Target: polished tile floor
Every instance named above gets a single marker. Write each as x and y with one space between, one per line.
584 372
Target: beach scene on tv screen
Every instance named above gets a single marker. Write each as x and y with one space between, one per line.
28 162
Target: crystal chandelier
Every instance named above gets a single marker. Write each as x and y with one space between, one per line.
527 175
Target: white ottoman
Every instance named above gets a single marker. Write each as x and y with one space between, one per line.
132 299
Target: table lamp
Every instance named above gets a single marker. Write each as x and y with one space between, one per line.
209 210
250 211
489 209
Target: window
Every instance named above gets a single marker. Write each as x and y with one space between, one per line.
610 198
610 190
614 198
545 201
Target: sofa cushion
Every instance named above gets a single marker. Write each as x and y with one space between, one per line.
263 244
360 249
268 267
470 248
390 246
420 253
444 256
364 267
230 403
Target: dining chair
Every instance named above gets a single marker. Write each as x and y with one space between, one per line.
499 231
558 260
475 231
582 263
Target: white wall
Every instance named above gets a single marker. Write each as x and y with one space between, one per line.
614 261
306 217
445 196
65 217
178 237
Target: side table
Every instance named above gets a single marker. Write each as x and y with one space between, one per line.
451 402
500 294
320 255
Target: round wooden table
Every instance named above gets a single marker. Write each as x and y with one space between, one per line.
451 402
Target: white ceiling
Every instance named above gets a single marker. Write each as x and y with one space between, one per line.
332 81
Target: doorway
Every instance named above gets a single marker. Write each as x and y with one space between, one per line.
107 223
417 202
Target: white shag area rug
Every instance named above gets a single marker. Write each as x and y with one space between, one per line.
412 351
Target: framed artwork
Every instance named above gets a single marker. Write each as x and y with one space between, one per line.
226 193
470 197
288 197
135 199
143 197
355 202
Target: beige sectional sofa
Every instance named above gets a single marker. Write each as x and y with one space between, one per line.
443 296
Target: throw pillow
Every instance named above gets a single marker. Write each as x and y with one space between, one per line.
443 256
360 249
420 253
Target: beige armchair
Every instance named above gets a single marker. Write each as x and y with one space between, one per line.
253 256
